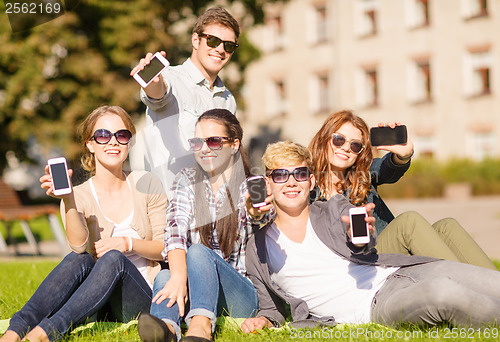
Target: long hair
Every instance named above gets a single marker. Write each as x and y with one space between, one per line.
87 130
226 221
357 177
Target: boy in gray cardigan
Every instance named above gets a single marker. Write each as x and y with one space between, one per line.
305 258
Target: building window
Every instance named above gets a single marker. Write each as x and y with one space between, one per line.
274 33
420 86
320 93
367 10
484 143
474 8
321 24
417 13
478 73
277 101
367 89
425 146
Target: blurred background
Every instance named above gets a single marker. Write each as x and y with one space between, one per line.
430 64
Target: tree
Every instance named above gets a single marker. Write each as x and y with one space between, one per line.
53 75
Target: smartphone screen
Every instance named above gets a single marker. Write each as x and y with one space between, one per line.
386 136
257 190
59 176
358 225
151 70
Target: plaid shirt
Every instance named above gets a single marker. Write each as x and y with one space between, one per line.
180 232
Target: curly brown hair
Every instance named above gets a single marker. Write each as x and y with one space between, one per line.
357 177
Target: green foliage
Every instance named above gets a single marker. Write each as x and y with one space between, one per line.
53 75
40 228
428 178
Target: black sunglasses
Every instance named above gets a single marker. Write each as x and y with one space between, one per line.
103 136
213 143
301 174
355 145
214 41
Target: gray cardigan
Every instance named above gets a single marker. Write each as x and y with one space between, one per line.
326 220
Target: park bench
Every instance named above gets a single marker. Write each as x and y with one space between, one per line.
12 210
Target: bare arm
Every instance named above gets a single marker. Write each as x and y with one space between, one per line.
176 288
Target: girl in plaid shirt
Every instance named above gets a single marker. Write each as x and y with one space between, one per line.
205 240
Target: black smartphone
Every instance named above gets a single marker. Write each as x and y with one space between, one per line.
257 189
384 136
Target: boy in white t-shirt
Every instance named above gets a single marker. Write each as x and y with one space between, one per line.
305 258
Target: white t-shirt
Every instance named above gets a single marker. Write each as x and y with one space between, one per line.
124 229
328 283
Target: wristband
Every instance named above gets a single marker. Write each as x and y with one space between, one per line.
130 244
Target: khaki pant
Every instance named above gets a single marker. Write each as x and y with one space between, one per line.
411 234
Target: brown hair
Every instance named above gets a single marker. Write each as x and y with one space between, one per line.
217 16
226 222
87 131
357 177
286 153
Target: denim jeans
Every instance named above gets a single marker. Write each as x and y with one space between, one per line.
215 288
440 291
78 288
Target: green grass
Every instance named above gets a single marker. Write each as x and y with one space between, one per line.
19 279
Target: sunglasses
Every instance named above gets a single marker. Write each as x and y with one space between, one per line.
213 143
213 42
355 145
103 136
301 174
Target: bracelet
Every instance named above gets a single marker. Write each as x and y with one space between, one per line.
130 244
125 241
405 159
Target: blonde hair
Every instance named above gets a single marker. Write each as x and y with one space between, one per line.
87 130
286 153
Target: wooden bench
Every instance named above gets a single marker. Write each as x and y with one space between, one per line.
12 210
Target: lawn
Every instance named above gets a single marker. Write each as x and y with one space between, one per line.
19 279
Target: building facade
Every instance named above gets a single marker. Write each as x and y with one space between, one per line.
430 64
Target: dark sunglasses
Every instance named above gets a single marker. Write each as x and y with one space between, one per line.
103 136
355 145
214 41
213 143
301 174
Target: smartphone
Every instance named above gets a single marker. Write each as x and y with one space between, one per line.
60 178
384 136
145 76
257 189
360 233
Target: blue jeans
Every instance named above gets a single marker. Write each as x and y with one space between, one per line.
78 288
440 291
215 288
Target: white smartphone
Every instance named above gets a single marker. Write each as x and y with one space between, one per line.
360 233
257 189
145 76
60 178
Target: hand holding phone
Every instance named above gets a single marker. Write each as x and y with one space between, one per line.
387 136
150 71
360 232
58 170
258 191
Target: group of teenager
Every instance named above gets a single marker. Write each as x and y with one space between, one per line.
184 243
